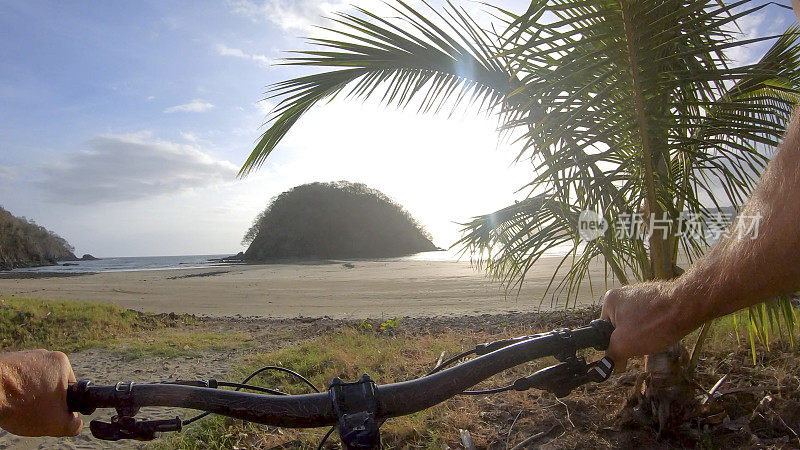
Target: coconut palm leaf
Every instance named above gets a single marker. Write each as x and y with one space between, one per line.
410 59
611 130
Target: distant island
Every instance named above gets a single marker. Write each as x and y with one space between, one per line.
334 220
23 243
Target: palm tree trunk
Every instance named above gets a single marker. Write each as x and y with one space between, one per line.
664 395
667 397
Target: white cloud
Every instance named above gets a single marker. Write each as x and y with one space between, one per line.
295 14
752 26
288 14
264 107
195 105
261 60
750 29
130 167
191 137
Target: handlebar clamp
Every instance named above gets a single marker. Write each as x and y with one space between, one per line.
566 349
124 393
356 406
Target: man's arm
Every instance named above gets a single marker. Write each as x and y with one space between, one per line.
737 272
33 394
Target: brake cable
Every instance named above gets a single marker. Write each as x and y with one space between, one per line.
482 349
244 385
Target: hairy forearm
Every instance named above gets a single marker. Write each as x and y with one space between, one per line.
743 269
740 270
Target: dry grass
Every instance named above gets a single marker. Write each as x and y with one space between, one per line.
69 326
175 342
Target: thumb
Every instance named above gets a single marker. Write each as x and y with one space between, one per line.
73 426
620 361
620 364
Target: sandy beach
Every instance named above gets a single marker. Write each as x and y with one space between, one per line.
369 289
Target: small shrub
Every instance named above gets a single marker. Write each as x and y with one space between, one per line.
391 324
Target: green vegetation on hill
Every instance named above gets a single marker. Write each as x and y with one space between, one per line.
334 220
23 243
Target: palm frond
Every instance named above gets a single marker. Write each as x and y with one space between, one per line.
409 59
608 83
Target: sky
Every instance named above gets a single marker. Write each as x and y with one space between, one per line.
123 125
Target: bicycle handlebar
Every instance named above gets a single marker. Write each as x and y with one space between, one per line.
315 410
399 399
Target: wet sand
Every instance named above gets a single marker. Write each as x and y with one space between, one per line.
369 289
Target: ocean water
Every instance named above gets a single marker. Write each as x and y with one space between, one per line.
123 264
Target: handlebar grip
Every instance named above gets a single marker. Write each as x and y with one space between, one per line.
605 328
78 398
596 335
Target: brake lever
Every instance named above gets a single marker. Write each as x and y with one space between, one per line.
130 428
562 378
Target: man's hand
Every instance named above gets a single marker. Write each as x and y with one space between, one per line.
33 394
647 318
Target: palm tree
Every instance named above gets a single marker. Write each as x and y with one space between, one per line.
623 107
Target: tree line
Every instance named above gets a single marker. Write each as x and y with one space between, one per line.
24 243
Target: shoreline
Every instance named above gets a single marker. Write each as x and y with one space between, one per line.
10 275
358 290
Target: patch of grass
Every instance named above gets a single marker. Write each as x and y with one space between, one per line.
62 325
70 326
348 354
171 343
731 333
